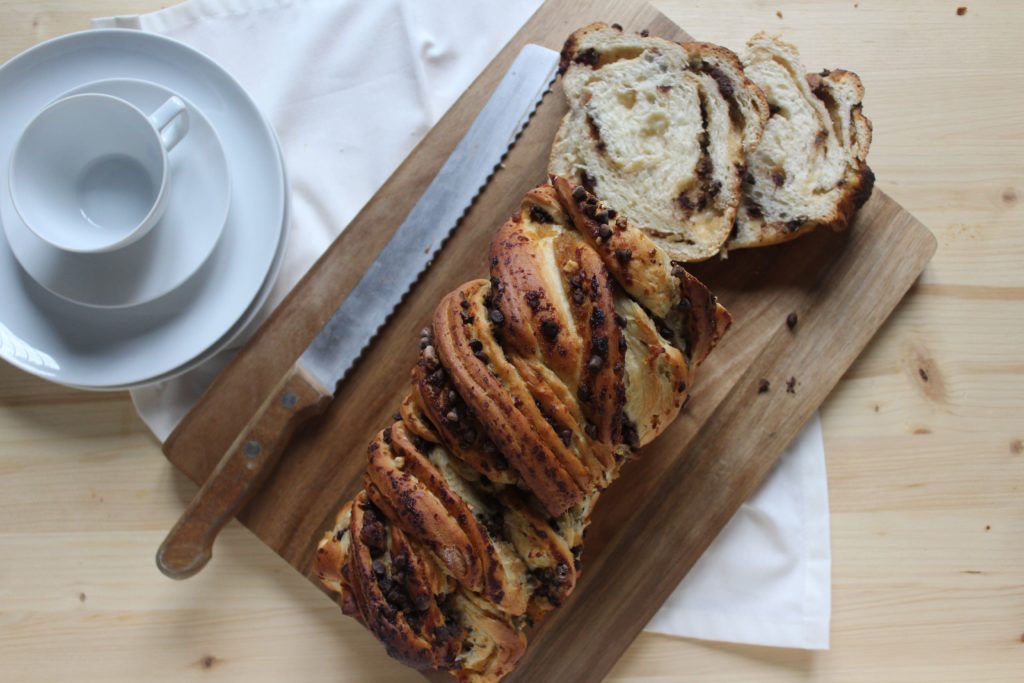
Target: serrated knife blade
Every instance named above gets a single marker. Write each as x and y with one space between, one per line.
414 244
308 387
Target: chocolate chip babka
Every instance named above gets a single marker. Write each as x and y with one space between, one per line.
810 168
660 131
531 390
704 152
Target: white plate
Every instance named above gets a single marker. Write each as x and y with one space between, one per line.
116 347
198 202
238 334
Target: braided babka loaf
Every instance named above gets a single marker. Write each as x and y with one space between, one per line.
531 390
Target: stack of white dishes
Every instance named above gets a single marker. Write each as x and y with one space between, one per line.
144 204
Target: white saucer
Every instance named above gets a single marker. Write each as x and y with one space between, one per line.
236 336
106 348
200 195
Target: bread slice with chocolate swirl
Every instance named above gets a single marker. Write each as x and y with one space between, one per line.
532 389
659 130
809 169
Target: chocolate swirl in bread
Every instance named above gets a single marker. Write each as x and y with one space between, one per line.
531 389
810 169
659 130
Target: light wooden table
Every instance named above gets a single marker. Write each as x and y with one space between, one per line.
926 477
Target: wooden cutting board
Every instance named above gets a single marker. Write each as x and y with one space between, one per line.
653 524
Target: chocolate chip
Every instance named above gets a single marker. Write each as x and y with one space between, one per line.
378 568
596 317
467 319
791 385
587 181
791 320
588 57
763 386
578 297
617 27
629 434
644 33
623 255
566 436
591 430
464 303
386 434
539 215
452 416
421 603
476 345
497 317
601 217
681 387
595 363
604 232
533 299
550 329
396 416
579 194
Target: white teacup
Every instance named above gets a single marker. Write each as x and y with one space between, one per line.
90 172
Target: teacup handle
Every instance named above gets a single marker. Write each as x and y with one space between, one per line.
171 121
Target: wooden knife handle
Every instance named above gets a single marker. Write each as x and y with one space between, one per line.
189 545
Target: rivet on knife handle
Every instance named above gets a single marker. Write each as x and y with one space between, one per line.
189 545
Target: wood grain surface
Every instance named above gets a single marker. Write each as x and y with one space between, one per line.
925 476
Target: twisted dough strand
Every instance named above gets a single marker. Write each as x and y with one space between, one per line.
531 390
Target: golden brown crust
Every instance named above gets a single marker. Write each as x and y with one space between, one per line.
476 497
389 585
497 395
455 423
662 287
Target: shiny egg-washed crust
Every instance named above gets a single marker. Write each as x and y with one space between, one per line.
531 389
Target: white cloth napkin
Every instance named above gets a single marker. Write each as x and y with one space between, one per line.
351 87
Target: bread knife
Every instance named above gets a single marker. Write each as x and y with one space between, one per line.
309 385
